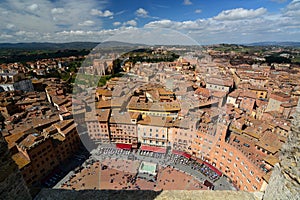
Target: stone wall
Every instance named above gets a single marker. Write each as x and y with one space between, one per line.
48 194
12 184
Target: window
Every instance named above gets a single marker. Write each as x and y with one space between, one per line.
258 179
236 140
246 145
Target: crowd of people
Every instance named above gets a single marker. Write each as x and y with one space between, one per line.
152 154
168 159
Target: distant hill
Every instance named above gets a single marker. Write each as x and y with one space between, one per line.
62 46
119 44
49 46
284 44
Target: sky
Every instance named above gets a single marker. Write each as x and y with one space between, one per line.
205 22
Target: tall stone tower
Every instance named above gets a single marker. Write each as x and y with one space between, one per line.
12 184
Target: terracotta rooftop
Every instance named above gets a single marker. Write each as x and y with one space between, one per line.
20 160
280 97
270 142
221 82
30 140
104 92
13 138
272 160
149 106
203 91
248 94
120 117
253 132
103 114
157 121
234 94
64 124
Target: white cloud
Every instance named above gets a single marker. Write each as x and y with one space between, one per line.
279 1
46 19
117 23
100 13
10 26
63 21
293 9
141 12
151 36
33 7
211 30
165 23
87 23
240 13
198 11
187 2
6 36
130 22
57 10
80 35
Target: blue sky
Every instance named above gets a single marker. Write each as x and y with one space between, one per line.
207 22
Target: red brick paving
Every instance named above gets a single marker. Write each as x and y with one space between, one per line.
120 173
